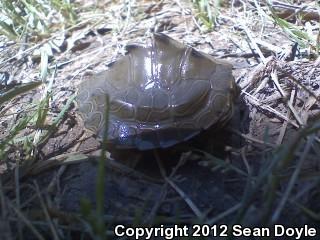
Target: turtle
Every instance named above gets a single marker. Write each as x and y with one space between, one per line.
159 95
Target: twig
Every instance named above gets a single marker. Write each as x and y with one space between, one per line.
252 139
274 77
306 12
285 124
189 202
268 108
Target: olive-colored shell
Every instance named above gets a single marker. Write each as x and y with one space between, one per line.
159 95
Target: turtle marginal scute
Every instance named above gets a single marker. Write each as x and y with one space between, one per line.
160 95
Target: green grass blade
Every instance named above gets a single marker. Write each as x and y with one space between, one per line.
18 90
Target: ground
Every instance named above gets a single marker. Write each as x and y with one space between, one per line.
259 170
